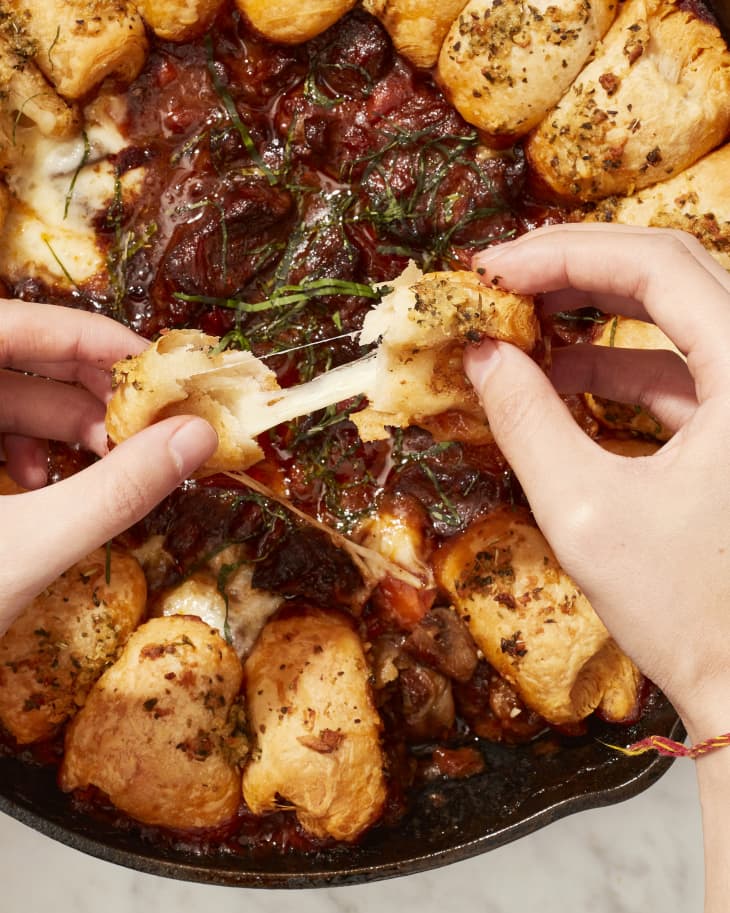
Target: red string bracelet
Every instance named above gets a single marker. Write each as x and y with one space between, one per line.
671 749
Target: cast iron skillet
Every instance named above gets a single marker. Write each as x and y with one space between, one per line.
521 790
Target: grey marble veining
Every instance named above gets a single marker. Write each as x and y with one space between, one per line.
639 856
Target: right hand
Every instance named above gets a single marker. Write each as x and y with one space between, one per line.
648 538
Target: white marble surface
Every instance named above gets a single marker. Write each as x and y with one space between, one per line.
635 857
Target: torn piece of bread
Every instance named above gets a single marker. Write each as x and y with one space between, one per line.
653 100
78 43
183 373
697 201
53 653
423 326
416 370
417 28
178 20
292 22
316 727
531 621
161 732
505 63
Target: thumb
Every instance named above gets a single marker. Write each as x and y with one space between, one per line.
552 457
56 526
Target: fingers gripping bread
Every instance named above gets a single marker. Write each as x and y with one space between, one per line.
422 327
181 373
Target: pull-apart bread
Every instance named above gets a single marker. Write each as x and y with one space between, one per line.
417 28
291 21
161 732
533 624
414 372
697 201
505 63
23 89
316 729
654 99
178 20
58 647
78 43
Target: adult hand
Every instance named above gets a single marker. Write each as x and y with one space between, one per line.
648 539
54 383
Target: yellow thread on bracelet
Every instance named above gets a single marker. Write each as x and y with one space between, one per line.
670 749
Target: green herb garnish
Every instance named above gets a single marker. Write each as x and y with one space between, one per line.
234 116
79 167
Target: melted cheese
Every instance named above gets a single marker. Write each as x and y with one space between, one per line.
59 187
238 616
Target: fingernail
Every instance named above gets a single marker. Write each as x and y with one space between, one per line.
489 253
191 445
481 361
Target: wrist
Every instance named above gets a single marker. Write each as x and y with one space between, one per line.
706 714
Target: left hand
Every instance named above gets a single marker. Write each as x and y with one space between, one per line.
55 379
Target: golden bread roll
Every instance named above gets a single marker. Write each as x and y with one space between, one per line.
290 22
78 43
505 63
54 652
316 728
161 731
60 189
620 701
416 27
697 200
25 93
178 20
531 621
653 100
627 333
